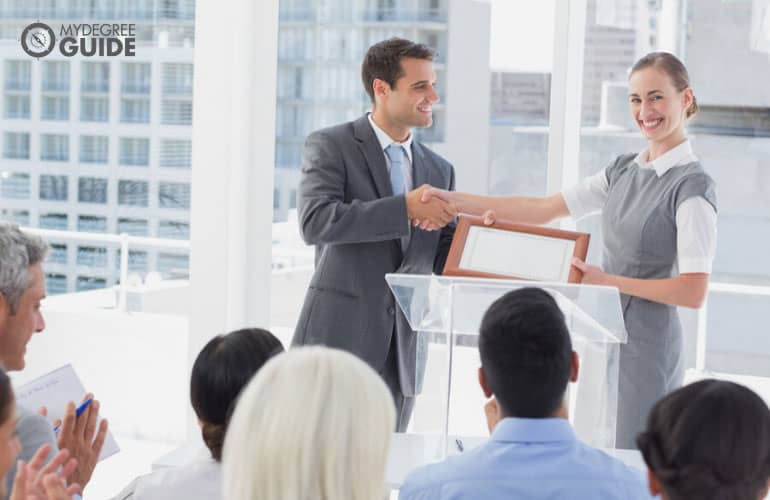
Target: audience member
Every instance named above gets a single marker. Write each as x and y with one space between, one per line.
709 440
221 371
22 288
526 363
315 423
33 481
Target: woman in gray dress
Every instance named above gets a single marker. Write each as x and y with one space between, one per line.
659 226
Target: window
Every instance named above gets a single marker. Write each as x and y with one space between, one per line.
92 224
53 187
177 79
54 147
18 75
174 195
176 265
95 77
175 153
14 185
55 108
92 256
94 149
135 110
92 190
176 112
16 145
134 193
135 78
55 76
174 230
55 283
134 151
94 109
86 283
16 106
133 227
137 261
53 221
57 253
19 217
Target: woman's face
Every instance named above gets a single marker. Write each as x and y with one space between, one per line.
9 445
657 107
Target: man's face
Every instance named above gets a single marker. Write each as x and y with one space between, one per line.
16 329
409 103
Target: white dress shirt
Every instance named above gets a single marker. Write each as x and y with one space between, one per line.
386 141
696 219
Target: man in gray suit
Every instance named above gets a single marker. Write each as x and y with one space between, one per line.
361 187
22 288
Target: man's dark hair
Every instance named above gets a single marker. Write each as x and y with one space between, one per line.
383 61
224 367
526 353
709 440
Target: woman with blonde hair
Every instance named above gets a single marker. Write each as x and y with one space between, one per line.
314 423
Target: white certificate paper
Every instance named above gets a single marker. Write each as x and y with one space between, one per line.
515 254
54 390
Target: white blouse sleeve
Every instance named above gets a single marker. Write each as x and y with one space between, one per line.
696 239
588 197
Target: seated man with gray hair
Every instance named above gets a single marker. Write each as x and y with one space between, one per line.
22 288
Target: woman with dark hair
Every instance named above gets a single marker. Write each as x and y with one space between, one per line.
659 226
709 440
221 370
33 481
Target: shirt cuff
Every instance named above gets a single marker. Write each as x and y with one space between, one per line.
576 210
695 266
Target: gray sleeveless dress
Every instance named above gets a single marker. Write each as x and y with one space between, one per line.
639 230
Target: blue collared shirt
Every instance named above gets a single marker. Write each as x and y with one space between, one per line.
528 459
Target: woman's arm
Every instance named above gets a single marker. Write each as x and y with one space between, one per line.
529 210
687 290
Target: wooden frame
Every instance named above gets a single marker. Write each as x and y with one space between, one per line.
530 237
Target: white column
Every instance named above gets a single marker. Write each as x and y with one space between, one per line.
566 96
466 130
232 172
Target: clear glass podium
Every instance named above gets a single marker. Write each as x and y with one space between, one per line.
446 313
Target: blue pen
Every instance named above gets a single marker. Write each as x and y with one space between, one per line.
79 411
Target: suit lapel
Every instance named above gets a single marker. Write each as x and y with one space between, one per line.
375 158
421 171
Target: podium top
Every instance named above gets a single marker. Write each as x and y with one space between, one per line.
438 303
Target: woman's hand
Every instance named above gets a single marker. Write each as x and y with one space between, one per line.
592 275
34 481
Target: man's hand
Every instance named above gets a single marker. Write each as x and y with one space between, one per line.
435 213
35 482
492 412
77 436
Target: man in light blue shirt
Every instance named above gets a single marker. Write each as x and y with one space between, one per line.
533 453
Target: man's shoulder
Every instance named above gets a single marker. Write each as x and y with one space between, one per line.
340 131
600 464
31 422
426 480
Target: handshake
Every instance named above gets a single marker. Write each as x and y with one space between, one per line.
430 208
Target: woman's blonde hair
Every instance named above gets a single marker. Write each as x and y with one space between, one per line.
313 424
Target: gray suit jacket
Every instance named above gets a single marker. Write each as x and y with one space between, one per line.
348 211
34 431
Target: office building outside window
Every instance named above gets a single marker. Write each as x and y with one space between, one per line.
54 147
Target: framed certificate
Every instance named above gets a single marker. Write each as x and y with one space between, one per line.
515 251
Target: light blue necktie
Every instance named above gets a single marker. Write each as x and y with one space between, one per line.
396 154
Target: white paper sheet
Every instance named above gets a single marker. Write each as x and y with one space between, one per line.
524 255
54 390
